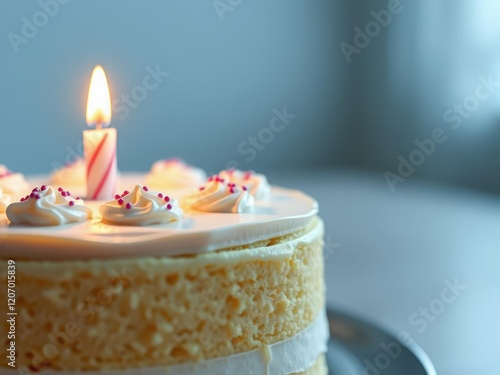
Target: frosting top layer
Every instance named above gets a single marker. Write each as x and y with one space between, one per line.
256 183
174 174
285 212
141 207
12 183
4 201
220 195
71 174
45 207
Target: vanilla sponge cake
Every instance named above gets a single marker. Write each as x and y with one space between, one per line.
213 293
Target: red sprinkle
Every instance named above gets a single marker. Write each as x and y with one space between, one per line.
71 203
128 206
145 188
120 201
160 195
244 188
232 190
32 195
78 198
36 189
60 189
43 188
167 198
126 192
37 196
64 194
169 206
202 188
68 194
117 196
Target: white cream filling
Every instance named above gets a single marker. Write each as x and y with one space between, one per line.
286 357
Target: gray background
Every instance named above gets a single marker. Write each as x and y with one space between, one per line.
228 72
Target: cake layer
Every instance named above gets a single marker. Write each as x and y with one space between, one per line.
285 212
115 314
302 352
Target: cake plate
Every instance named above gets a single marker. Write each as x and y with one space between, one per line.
357 348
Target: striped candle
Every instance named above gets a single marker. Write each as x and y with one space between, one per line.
100 156
100 144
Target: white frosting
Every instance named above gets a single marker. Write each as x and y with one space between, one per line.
4 201
74 174
141 207
255 182
174 174
219 195
296 354
46 206
12 183
198 232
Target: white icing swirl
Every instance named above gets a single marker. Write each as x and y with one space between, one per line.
12 183
74 174
174 174
141 207
46 206
219 195
256 183
4 201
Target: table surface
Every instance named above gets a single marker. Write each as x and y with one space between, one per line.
391 258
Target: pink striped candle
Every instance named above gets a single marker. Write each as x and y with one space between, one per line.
100 144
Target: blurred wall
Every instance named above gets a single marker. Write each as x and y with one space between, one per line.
430 67
233 66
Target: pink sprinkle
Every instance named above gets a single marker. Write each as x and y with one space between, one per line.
22 199
169 206
244 188
126 192
230 184
32 195
160 195
120 201
78 198
64 194
43 188
71 203
26 197
37 196
60 189
128 206
68 194
36 189
117 196
145 188
232 190
202 188
167 198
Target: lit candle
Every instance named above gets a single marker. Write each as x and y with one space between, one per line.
100 144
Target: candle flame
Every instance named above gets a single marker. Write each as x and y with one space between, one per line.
98 101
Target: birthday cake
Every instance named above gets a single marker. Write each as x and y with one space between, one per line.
177 274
